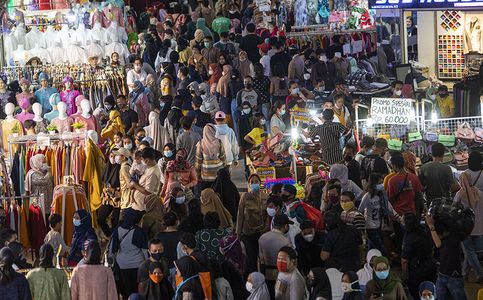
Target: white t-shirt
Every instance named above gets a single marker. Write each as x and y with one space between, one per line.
132 76
371 207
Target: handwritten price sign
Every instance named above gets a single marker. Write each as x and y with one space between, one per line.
392 111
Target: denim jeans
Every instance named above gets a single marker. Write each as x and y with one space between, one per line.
471 246
447 285
375 240
234 116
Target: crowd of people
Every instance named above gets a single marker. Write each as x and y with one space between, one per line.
175 226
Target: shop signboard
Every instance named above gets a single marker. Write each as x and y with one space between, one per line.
425 4
301 115
266 173
392 111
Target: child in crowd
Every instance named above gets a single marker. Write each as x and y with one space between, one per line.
137 168
54 238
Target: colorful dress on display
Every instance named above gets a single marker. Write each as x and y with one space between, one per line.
22 95
89 124
41 126
37 224
43 95
68 97
7 127
51 115
24 116
63 125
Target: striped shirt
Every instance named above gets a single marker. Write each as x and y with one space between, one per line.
354 218
329 134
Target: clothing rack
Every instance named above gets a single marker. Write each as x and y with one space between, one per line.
319 32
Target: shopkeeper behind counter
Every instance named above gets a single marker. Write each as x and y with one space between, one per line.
445 104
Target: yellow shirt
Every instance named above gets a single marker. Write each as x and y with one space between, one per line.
445 105
256 135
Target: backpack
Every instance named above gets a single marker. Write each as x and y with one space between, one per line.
312 214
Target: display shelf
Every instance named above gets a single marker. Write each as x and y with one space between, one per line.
451 60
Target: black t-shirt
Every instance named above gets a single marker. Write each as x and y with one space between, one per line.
309 252
343 246
449 255
373 163
170 242
280 58
128 117
249 44
417 247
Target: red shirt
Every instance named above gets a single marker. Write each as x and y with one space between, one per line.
406 201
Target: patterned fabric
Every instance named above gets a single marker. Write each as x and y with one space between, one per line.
262 85
329 134
208 241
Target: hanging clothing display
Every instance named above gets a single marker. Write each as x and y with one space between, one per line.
94 167
68 97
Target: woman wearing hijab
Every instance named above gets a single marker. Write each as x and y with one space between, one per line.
184 51
227 191
244 65
318 284
175 200
365 274
210 156
93 280
169 154
129 244
152 219
156 131
172 121
188 285
163 54
179 170
157 286
223 91
257 287
46 281
351 287
82 231
211 202
39 180
151 87
384 282
208 238
201 24
167 82
233 265
150 50
340 172
13 285
111 188
427 291
471 196
215 72
197 42
114 125
139 102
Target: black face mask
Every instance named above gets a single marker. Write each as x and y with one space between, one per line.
156 256
248 86
348 158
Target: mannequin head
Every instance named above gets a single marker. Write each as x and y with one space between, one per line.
62 108
44 80
37 109
54 100
9 109
85 107
68 82
24 85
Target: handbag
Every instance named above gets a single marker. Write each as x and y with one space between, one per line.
395 145
414 136
448 140
448 157
464 133
461 159
479 135
430 136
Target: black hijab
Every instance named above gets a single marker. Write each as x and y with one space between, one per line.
227 190
321 285
132 217
188 268
46 254
7 273
111 175
93 253
154 291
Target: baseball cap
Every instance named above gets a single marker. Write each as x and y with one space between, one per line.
281 220
122 151
264 47
220 115
290 188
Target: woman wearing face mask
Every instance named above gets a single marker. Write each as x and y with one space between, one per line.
82 231
181 171
257 135
111 196
384 284
157 286
244 65
340 172
176 201
350 286
365 274
251 214
152 219
341 112
257 287
308 244
276 122
290 283
210 202
129 244
376 206
210 157
208 238
318 284
169 154
427 291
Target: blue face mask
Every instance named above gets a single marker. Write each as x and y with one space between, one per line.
162 104
255 187
380 187
77 222
282 112
382 274
168 153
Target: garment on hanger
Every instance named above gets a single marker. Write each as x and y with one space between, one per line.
115 33
80 36
94 167
121 49
41 53
472 37
94 48
32 38
57 54
37 225
68 97
48 37
113 14
10 43
75 54
97 33
20 32
63 125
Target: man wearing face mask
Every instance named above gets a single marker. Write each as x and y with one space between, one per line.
248 94
150 181
296 67
136 73
445 104
397 87
210 53
129 117
308 244
290 283
374 162
292 205
297 94
269 245
352 165
155 252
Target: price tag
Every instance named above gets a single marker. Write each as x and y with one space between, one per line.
392 111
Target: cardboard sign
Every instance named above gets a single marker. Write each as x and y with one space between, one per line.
300 115
392 111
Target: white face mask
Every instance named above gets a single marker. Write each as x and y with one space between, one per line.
180 200
210 72
433 97
309 237
128 146
117 160
249 286
398 93
262 122
271 211
246 111
295 91
306 76
323 58
347 287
